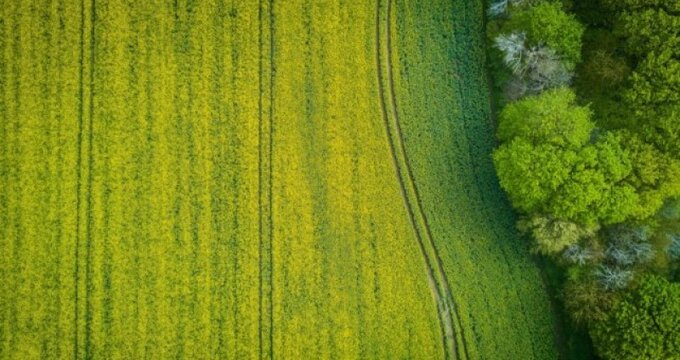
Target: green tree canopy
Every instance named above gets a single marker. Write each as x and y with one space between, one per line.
532 173
595 191
672 6
548 163
551 117
645 324
655 175
654 95
648 29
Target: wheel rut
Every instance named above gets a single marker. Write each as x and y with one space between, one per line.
447 311
265 179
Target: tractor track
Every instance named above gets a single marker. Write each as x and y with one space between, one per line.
446 308
265 179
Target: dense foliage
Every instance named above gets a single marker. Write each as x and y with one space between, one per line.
594 169
645 324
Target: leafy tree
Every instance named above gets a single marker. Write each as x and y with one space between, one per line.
601 77
594 13
655 175
551 163
594 192
551 118
580 185
645 324
655 84
548 163
648 29
547 23
531 174
671 6
601 71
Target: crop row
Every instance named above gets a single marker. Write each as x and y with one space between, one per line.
39 110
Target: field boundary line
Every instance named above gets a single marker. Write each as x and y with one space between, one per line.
79 161
265 178
444 306
90 166
84 160
271 178
259 182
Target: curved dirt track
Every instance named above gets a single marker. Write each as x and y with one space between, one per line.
439 284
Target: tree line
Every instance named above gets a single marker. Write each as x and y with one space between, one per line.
589 155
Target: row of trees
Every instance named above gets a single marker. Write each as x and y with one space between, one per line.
589 154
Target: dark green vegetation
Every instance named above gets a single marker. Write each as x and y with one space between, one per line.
594 169
442 101
644 324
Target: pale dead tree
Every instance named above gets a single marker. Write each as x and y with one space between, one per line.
577 254
619 255
515 88
641 252
513 47
534 68
500 7
629 246
671 210
545 69
612 278
641 233
673 249
624 233
630 253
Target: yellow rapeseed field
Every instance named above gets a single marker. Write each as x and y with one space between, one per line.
213 179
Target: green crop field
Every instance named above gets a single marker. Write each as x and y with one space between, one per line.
293 179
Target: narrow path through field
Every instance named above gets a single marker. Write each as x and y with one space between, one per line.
439 284
79 163
83 267
265 128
